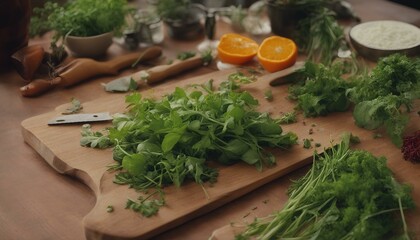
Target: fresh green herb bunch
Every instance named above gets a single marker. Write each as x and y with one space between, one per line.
167 141
379 96
81 18
316 29
347 194
320 36
174 9
321 89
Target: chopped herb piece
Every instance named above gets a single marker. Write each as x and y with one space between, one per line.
76 107
377 135
185 55
207 57
268 95
287 118
145 206
94 139
307 143
109 208
354 139
317 144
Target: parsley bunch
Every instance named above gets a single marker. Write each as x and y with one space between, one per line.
347 194
168 141
320 89
380 96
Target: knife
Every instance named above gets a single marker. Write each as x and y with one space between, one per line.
81 118
82 69
154 74
284 76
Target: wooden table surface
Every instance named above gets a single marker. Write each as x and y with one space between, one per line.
38 203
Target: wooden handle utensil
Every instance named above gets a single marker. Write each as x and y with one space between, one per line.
84 68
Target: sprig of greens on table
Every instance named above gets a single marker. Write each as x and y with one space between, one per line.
347 194
378 96
320 90
168 141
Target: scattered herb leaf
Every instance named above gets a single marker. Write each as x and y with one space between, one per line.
110 208
75 107
377 135
93 139
185 55
307 143
145 206
288 118
268 95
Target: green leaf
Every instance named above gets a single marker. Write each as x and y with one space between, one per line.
251 156
237 147
169 141
149 147
135 164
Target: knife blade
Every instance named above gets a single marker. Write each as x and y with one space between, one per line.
81 118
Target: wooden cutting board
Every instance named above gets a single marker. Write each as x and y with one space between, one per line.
59 146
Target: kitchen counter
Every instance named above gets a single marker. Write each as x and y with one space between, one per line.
36 202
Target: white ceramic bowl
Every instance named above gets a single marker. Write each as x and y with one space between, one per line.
376 39
89 46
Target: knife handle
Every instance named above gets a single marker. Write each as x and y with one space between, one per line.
161 72
116 64
39 86
278 78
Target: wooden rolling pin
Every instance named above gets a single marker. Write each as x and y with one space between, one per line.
84 68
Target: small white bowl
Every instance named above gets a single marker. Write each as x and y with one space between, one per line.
93 46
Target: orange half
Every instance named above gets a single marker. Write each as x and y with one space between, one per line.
277 53
236 49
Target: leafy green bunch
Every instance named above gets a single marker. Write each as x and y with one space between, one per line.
347 194
168 141
320 36
320 90
380 96
174 9
79 17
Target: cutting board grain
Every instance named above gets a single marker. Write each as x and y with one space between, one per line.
59 146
